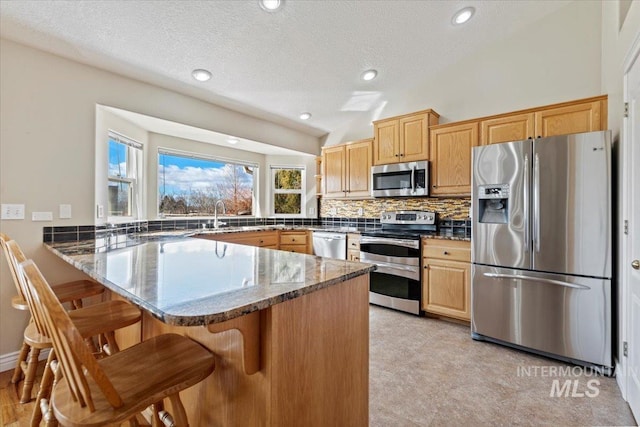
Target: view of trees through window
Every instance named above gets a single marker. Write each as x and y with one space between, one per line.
287 191
191 186
122 179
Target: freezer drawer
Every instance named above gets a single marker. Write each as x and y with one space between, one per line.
562 315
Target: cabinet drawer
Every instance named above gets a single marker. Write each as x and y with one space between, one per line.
447 249
301 249
293 238
353 242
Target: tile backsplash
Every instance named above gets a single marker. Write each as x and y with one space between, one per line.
455 209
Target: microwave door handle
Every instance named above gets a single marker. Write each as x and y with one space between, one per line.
413 179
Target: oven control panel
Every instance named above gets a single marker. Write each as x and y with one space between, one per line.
408 217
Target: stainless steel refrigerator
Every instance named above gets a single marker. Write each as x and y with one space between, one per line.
541 246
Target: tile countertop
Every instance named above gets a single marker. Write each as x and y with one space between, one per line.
186 281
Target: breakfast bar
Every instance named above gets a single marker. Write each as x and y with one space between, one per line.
289 332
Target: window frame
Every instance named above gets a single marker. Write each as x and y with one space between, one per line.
135 176
212 158
302 191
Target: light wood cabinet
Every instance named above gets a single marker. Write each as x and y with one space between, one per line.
446 279
451 158
403 138
347 170
585 115
581 117
261 239
353 247
295 241
515 127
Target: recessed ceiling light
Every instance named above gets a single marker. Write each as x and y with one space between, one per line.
369 75
463 15
270 5
201 75
305 116
232 141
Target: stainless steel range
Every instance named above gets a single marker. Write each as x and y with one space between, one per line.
395 250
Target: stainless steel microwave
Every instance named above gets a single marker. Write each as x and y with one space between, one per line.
400 180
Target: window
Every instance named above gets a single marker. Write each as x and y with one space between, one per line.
190 185
125 157
287 187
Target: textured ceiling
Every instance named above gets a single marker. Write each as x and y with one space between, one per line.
306 57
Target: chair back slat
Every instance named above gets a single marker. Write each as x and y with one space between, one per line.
4 239
15 256
73 353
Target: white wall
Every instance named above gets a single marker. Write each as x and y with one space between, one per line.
47 148
554 60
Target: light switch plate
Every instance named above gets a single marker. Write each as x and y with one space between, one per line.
100 211
12 211
65 211
41 216
360 211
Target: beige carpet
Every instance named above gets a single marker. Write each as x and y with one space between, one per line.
427 372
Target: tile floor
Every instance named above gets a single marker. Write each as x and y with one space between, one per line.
428 372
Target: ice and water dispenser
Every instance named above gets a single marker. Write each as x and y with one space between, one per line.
493 203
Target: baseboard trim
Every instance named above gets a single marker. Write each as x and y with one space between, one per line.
8 360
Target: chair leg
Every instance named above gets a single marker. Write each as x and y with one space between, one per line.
111 342
45 390
179 414
17 372
46 407
30 375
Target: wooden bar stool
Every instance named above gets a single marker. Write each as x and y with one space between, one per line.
71 292
100 319
114 389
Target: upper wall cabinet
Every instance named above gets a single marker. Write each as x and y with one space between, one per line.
347 170
403 138
560 119
451 158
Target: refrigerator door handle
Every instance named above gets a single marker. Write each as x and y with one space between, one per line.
536 202
537 279
527 237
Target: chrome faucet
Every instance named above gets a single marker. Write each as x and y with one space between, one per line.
216 224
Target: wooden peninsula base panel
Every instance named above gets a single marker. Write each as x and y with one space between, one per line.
313 358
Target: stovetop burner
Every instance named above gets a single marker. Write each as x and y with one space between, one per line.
405 224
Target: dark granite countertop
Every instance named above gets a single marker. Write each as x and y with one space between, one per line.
186 281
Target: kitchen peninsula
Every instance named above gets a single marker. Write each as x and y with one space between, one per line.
290 332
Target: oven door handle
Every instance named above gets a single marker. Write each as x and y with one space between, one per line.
409 272
414 244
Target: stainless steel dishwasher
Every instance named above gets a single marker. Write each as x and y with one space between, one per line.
330 244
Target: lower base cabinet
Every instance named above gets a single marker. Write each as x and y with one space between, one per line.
295 241
446 278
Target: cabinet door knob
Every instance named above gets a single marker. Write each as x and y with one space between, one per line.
396 155
293 240
445 253
261 241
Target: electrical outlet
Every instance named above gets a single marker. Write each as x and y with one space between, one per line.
65 212
333 211
41 216
360 211
311 211
12 211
